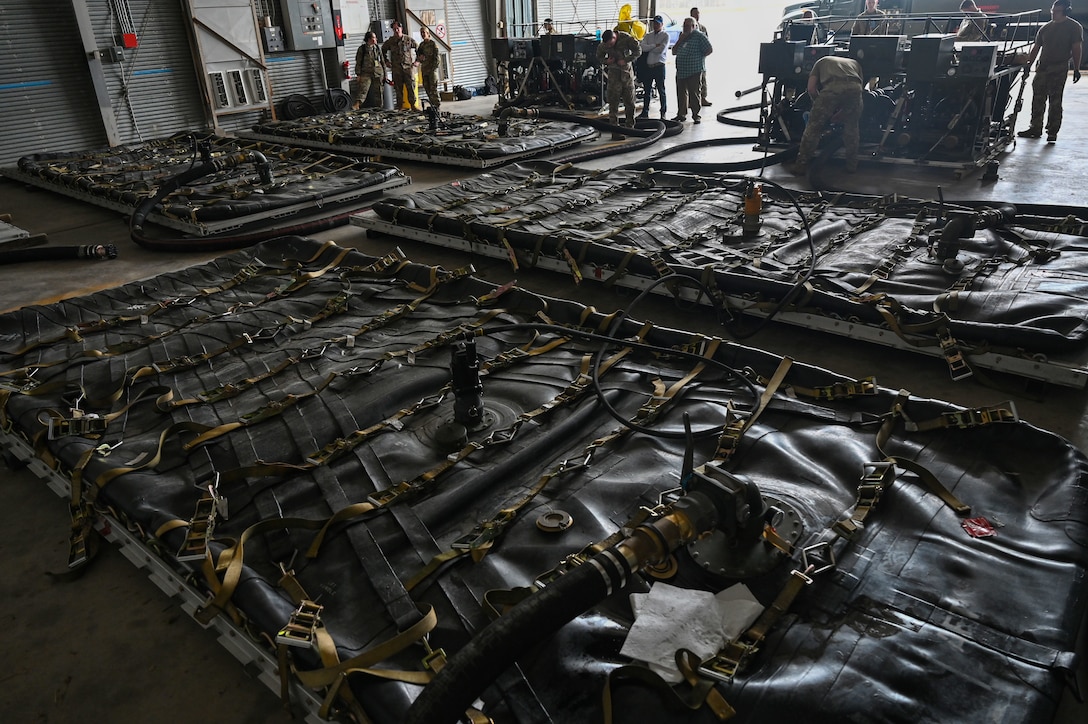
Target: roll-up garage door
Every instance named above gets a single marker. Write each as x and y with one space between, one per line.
153 86
47 101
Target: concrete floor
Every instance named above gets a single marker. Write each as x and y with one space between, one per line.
110 647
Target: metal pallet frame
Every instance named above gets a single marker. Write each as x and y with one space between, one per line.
210 228
1061 372
256 659
866 154
388 153
9 232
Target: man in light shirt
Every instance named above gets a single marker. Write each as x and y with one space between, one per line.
654 45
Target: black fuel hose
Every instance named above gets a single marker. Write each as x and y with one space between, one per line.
207 167
55 253
658 130
646 131
494 648
655 162
454 689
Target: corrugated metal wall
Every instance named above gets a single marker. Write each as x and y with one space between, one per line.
47 102
469 42
154 89
297 71
47 99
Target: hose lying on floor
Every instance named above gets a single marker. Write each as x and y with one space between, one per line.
52 253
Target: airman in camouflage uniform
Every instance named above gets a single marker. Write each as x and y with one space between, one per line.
835 85
400 55
617 53
369 69
428 58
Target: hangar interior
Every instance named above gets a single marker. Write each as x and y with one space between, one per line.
377 333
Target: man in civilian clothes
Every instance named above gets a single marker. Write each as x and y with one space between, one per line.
694 14
690 50
654 44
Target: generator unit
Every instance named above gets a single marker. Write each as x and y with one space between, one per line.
781 58
881 56
977 60
930 57
936 102
550 70
558 47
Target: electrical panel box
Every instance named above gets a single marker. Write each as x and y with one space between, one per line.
585 51
781 58
930 57
272 36
383 29
557 47
523 50
234 88
977 60
308 25
881 56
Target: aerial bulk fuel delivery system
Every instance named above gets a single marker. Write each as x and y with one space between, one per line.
931 98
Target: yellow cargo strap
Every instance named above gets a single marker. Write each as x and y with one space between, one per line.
621 269
30 386
925 334
928 479
735 428
702 691
230 563
381 499
835 391
964 419
815 559
424 480
304 629
232 389
875 479
900 253
734 656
